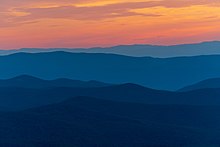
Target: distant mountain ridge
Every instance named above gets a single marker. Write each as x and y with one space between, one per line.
204 48
209 83
15 98
27 81
156 73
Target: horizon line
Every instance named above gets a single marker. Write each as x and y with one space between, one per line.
20 48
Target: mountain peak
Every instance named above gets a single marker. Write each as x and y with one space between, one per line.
25 77
27 81
208 83
131 85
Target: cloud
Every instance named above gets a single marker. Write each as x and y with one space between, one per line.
15 12
183 3
105 22
80 13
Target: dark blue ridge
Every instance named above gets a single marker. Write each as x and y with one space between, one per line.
88 121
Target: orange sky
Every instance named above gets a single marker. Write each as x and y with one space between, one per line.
91 23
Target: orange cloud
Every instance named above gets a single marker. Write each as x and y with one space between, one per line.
87 23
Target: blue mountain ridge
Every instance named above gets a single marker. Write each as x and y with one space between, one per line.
87 121
27 81
20 98
208 83
137 50
113 115
156 73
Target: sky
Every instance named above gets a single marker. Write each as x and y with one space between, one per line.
103 23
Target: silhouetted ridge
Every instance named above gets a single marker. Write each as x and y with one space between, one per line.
88 121
27 81
131 85
156 73
25 78
205 84
203 48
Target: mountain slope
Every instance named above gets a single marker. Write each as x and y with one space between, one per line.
26 81
86 121
23 98
15 98
204 48
209 83
167 74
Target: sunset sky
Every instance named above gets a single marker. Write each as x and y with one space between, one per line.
92 23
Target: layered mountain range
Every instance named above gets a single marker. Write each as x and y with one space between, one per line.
105 114
81 99
137 50
156 73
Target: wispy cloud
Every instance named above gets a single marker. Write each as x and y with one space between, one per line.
66 10
103 19
81 13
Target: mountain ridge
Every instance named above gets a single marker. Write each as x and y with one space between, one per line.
138 50
204 84
27 81
14 98
156 73
78 122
